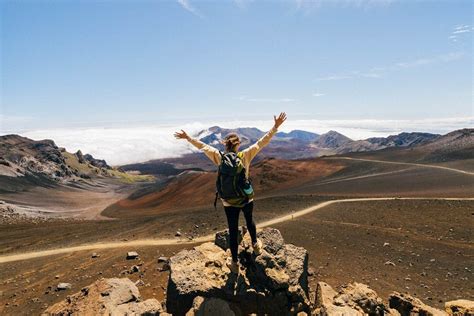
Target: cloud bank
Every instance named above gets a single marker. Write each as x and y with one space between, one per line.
138 144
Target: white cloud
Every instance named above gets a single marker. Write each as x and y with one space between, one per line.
266 100
137 144
188 7
460 31
317 94
310 5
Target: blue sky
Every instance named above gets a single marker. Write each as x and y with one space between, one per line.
87 63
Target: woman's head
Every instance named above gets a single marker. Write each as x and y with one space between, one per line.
231 142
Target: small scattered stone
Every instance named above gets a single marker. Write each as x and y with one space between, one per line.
132 255
63 286
389 263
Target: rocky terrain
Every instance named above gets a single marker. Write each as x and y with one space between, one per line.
42 163
273 283
20 156
40 181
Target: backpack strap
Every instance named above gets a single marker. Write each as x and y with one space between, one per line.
215 201
218 173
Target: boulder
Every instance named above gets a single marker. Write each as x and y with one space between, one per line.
460 308
107 297
353 299
80 156
275 282
408 305
222 237
163 264
205 306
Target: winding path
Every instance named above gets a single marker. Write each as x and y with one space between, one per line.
406 164
165 242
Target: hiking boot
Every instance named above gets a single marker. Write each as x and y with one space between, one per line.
257 247
232 265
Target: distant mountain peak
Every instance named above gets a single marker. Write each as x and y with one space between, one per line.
332 139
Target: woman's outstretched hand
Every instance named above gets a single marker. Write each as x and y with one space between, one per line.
280 119
181 135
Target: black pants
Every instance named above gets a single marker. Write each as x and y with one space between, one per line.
232 214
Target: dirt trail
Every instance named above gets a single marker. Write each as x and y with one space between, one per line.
406 164
164 242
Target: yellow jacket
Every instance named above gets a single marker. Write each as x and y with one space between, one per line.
247 154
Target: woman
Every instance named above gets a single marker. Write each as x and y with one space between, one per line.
232 208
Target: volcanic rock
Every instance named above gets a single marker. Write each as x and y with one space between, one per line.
205 306
132 255
222 237
352 299
408 305
107 297
275 282
460 308
63 286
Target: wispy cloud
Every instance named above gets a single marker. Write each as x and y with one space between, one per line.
432 60
334 77
242 4
317 94
460 31
310 5
188 7
266 100
378 72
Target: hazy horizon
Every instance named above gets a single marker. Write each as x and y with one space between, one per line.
121 145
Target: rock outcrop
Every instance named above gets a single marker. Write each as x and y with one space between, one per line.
99 163
352 299
275 282
107 297
204 306
460 308
408 305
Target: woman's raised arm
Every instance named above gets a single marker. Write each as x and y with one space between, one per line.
253 150
211 152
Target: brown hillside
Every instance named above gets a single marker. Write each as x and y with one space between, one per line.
194 189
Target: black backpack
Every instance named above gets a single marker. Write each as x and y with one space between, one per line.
231 183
